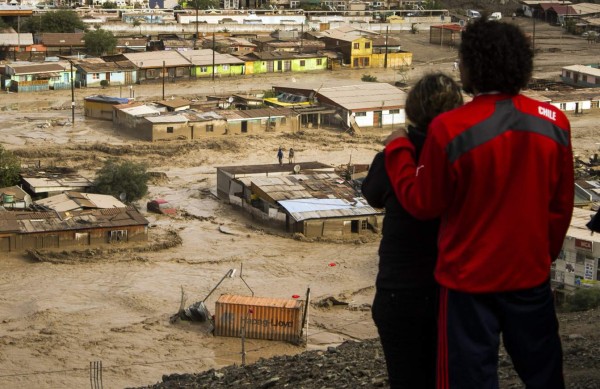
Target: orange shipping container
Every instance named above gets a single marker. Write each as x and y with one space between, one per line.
259 317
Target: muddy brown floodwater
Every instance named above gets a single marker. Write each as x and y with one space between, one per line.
56 318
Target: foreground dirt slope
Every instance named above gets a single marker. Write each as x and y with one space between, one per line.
361 365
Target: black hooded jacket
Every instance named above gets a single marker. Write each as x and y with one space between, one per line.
408 248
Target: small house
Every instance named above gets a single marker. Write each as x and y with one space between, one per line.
300 198
20 231
587 76
101 106
33 77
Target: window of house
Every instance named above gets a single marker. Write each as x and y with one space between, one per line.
563 106
363 225
209 128
95 76
356 46
320 62
225 67
302 62
366 61
360 114
152 73
169 130
203 69
117 236
367 45
394 111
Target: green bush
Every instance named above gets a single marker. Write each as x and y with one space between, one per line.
104 83
583 299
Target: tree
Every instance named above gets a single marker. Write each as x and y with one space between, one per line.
100 42
198 5
10 166
60 21
110 5
137 23
115 178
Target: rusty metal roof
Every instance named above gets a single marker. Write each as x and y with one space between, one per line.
32 222
303 186
259 301
62 39
36 68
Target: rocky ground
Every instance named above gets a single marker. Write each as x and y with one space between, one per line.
361 365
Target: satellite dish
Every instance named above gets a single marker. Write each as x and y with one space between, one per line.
230 100
123 196
297 169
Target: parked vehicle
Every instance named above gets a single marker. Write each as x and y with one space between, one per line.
161 206
472 14
496 16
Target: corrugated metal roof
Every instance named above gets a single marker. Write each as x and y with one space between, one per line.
70 200
299 186
107 99
155 59
167 119
139 110
62 39
204 57
583 69
54 183
15 39
304 209
365 96
175 103
273 55
30 222
36 68
259 301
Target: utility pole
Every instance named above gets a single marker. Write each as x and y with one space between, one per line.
163 80
213 56
72 96
385 58
196 37
533 39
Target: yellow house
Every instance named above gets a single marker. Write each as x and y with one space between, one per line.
365 49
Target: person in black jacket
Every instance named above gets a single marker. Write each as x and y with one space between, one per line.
404 308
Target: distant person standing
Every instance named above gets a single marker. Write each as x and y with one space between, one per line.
499 173
405 304
280 156
291 156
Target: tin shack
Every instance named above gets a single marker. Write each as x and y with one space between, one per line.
259 318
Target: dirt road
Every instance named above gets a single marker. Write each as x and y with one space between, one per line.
57 318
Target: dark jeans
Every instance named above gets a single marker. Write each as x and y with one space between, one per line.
406 322
527 321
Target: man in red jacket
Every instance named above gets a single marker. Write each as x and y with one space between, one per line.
499 173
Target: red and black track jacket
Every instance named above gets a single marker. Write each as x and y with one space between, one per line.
499 172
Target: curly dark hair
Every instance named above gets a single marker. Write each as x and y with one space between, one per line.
495 56
433 94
